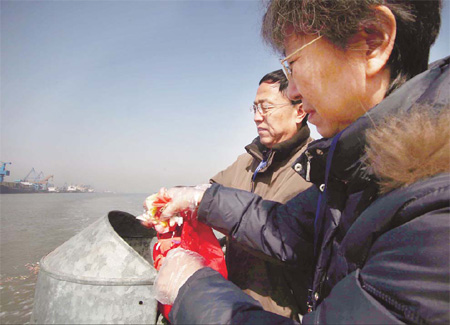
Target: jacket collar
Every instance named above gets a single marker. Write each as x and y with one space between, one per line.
280 151
349 166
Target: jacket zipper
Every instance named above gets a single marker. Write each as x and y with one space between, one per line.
263 164
308 165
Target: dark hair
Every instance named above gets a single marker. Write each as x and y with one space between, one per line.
279 76
418 23
274 77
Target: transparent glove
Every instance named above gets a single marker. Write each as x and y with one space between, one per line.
183 198
177 267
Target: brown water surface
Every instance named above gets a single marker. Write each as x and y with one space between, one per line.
33 225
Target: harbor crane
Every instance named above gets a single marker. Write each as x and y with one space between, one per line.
33 177
3 171
45 180
39 177
31 174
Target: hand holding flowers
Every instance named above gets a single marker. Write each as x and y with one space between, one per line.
184 245
167 209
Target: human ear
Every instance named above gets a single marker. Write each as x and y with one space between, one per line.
379 36
301 114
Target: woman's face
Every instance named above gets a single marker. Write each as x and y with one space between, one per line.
330 81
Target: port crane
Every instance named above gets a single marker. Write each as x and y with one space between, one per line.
39 177
32 176
3 171
36 180
45 180
32 173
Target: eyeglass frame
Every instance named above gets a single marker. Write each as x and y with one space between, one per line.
287 68
258 107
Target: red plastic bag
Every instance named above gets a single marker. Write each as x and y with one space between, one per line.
200 238
197 237
191 235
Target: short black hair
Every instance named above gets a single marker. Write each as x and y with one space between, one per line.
274 77
280 77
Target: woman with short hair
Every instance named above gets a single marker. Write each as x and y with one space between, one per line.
375 223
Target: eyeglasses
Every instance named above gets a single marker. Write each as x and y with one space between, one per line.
287 65
265 108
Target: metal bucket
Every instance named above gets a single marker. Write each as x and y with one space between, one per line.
102 275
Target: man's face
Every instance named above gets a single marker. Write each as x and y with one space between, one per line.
330 82
280 123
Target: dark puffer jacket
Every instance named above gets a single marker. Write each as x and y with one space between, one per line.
378 259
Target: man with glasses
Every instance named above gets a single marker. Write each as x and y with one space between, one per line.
266 169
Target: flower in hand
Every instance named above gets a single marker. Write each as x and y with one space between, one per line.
183 199
166 209
154 205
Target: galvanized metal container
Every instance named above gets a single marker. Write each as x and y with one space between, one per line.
102 275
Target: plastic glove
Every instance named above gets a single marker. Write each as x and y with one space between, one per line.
177 267
183 198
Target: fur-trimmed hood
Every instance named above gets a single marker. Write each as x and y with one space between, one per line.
409 147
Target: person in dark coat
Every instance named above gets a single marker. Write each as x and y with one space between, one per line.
375 223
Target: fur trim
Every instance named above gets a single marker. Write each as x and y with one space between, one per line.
410 147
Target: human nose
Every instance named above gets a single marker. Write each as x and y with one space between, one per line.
292 92
257 117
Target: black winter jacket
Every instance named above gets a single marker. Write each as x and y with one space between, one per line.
378 259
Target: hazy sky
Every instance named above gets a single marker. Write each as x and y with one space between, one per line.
132 95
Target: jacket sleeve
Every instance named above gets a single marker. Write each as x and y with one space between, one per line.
405 278
207 298
282 231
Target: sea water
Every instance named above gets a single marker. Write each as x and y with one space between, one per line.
33 225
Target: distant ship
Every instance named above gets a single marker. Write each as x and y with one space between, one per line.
78 189
36 183
32 183
16 187
72 188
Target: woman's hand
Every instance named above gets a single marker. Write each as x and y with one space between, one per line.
177 267
183 199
